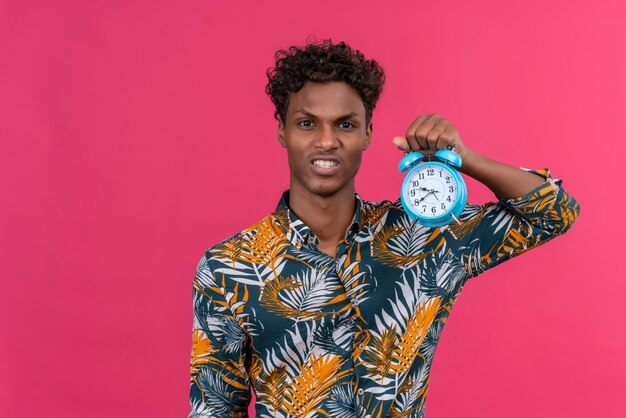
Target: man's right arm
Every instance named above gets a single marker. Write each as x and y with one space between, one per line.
220 386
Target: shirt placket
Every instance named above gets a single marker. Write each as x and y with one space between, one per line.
358 386
310 242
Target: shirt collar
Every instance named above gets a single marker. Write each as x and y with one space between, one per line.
297 232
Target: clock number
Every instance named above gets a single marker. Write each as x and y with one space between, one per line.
421 176
449 199
412 192
424 208
415 183
431 171
451 188
443 206
440 173
433 210
447 179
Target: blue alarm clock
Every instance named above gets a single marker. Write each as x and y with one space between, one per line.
433 191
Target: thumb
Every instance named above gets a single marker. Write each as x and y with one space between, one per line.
402 143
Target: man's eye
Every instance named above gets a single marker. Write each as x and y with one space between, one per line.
306 123
347 124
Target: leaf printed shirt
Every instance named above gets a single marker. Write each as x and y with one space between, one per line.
352 335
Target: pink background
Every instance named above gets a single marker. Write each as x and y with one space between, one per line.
135 136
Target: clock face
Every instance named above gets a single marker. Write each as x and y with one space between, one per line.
431 190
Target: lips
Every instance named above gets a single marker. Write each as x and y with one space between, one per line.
323 170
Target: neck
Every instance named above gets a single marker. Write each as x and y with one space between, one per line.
327 216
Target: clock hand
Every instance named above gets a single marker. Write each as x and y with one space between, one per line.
425 196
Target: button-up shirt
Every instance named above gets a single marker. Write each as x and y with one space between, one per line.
352 335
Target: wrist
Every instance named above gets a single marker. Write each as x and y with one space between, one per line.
468 160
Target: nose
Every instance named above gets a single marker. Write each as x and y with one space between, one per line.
327 138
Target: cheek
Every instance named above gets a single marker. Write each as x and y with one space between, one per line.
355 158
296 159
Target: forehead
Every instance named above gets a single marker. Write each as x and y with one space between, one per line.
326 99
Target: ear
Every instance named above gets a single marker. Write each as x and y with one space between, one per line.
281 134
368 136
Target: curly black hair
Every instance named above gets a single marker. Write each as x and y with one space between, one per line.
323 62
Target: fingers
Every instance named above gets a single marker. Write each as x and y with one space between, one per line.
434 136
429 133
446 138
414 134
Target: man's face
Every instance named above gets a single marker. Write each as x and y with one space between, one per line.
325 136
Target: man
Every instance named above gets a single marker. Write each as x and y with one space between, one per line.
333 305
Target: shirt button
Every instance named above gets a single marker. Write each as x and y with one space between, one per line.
361 346
360 392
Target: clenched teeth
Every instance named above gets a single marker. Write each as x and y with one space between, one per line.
325 163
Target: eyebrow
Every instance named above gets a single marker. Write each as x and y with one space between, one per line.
311 115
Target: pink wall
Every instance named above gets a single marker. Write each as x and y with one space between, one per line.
135 136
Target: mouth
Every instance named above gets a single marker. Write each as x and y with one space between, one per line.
324 166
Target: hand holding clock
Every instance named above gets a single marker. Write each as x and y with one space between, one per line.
429 133
432 136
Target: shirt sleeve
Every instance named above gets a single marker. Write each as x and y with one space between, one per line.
498 231
220 384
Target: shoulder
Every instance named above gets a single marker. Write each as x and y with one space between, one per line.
229 249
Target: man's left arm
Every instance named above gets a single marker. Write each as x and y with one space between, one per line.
505 181
429 133
532 206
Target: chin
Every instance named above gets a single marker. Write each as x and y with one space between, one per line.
321 186
325 193
325 190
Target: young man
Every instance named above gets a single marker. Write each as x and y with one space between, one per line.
333 305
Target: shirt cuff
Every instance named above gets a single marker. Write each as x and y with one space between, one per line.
539 200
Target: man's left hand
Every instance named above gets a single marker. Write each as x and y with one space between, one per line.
429 133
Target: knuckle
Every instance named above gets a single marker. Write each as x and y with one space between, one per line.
421 133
